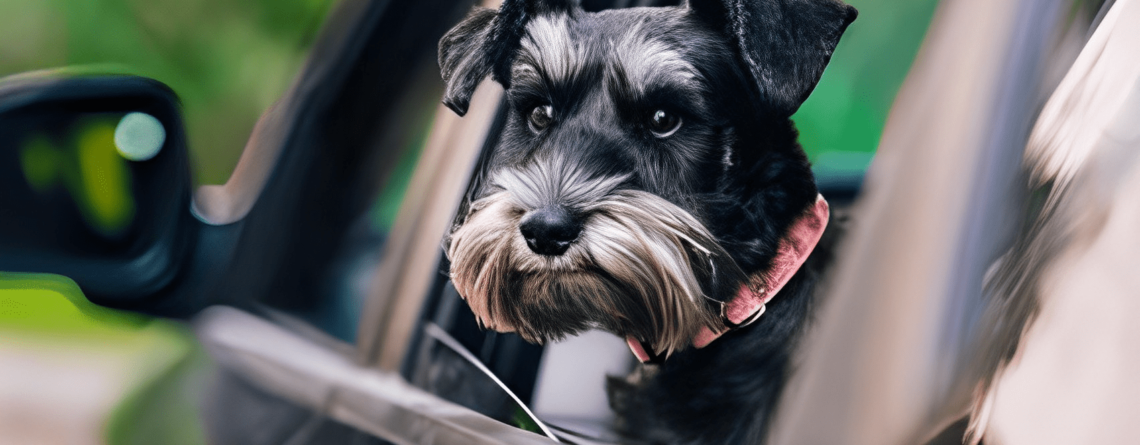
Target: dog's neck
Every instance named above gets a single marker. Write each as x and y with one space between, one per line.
749 303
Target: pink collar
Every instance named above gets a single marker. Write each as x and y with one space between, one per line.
749 304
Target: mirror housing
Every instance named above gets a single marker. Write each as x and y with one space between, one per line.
94 183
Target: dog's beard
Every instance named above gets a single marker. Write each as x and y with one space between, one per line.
642 266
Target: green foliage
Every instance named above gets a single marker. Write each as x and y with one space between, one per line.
227 60
523 421
159 358
54 304
162 406
848 109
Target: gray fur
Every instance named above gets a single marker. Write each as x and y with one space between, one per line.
646 244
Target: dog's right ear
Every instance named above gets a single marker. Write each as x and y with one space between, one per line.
485 43
784 44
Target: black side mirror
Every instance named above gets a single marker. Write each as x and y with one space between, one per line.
94 183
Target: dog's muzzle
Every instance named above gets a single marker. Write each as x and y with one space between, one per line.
552 251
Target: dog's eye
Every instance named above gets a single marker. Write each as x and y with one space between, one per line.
541 117
664 124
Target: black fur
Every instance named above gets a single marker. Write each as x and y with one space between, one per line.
785 44
484 44
726 392
734 164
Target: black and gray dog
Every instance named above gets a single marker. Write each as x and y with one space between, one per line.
648 182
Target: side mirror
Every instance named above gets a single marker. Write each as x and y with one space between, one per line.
94 183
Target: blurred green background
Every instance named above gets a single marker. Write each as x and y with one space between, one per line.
841 122
230 59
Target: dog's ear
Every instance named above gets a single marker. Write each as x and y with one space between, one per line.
461 59
785 44
485 43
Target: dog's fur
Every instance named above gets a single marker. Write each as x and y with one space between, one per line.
671 223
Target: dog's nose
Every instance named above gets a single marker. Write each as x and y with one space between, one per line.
550 230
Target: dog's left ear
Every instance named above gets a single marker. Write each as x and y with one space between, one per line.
785 44
485 44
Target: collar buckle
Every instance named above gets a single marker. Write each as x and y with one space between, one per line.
747 321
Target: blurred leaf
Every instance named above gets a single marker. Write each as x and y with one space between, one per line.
54 304
104 193
524 422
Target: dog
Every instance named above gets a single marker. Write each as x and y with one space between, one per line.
648 182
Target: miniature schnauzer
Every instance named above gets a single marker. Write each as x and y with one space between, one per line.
648 182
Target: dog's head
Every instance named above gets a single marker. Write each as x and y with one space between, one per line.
648 167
